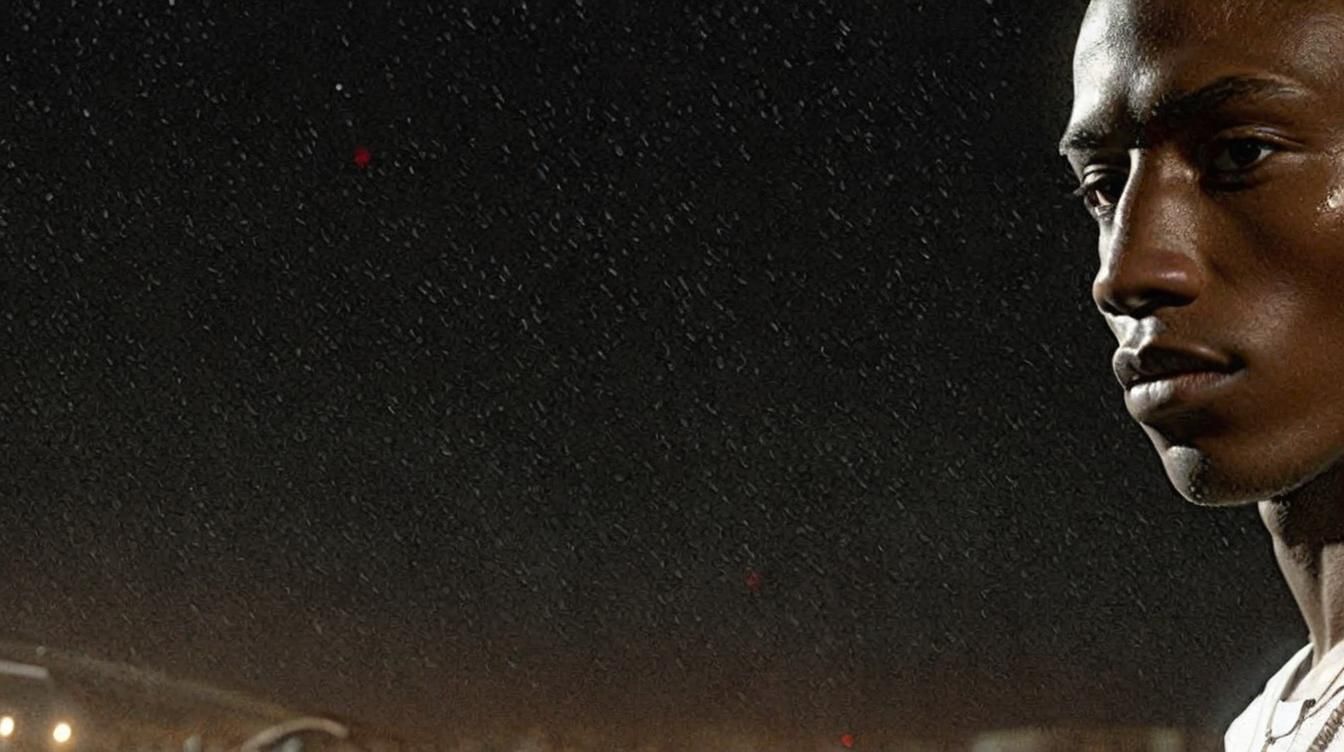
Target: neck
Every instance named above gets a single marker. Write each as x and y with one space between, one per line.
1307 527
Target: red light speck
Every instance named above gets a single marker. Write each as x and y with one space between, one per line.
362 157
847 741
754 580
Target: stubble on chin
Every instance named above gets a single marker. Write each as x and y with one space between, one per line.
1205 482
1215 479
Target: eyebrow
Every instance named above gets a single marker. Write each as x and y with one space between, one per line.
1181 105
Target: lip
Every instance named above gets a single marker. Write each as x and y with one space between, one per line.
1165 377
1154 399
1155 360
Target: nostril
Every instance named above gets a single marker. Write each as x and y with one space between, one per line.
1141 304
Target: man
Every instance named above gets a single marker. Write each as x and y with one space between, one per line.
1208 139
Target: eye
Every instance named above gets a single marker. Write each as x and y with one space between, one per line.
1239 155
1101 192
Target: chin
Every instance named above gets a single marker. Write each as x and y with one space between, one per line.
1206 482
1212 478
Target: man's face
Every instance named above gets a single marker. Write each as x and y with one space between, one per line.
1209 141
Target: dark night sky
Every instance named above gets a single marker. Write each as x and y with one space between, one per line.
630 302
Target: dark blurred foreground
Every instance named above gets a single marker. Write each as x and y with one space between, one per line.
65 702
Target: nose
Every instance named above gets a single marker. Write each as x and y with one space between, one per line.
1149 253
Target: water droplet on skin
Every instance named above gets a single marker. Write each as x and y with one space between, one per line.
1335 200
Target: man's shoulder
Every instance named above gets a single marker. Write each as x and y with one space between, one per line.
1241 733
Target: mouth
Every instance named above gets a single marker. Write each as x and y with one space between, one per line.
1151 400
1161 380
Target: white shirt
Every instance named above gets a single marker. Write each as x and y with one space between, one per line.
1247 732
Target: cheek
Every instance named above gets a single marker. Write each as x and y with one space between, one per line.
1328 212
1291 269
1310 267
1293 320
1286 305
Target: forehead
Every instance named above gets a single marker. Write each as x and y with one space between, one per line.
1132 53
